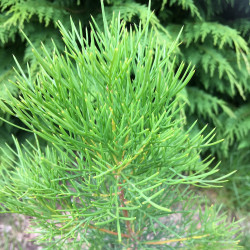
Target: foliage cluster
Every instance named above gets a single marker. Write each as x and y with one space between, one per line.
114 164
215 39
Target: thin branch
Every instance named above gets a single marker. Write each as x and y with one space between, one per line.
174 240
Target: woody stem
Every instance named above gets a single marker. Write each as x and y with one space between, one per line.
125 213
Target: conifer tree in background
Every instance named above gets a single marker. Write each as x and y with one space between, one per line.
117 167
215 39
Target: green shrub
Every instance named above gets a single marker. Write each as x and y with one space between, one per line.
118 165
215 39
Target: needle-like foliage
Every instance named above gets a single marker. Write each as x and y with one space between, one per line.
118 163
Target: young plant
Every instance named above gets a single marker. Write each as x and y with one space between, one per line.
118 164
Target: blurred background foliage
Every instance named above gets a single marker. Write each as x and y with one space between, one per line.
215 38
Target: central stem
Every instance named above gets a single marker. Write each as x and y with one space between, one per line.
125 213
